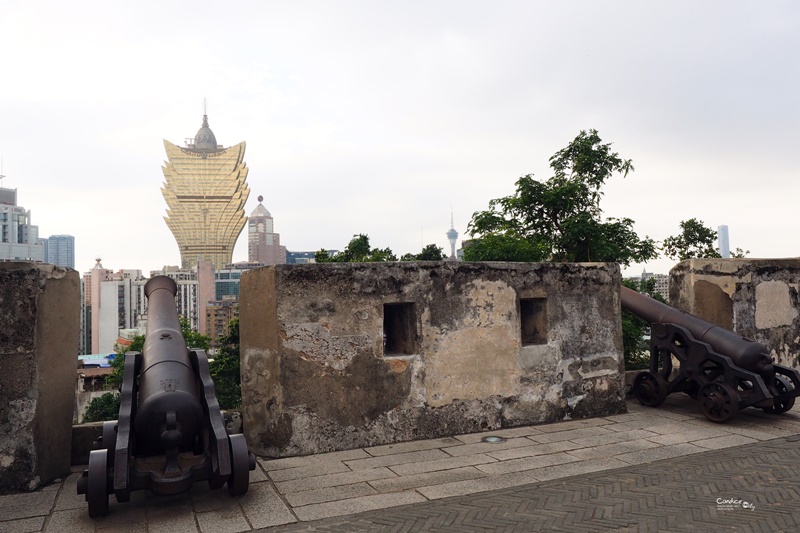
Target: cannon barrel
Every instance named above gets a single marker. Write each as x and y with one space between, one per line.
169 412
744 352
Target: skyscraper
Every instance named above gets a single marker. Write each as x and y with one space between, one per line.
722 240
19 239
205 190
61 250
263 244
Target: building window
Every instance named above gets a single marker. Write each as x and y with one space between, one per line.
533 320
399 323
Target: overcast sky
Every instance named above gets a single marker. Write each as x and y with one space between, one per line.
377 117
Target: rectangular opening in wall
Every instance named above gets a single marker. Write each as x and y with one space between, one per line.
399 329
533 320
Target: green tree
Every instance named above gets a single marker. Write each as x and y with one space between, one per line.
560 219
358 250
193 340
635 346
694 240
102 408
738 253
114 380
431 252
225 369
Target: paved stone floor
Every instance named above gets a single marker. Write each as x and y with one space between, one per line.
665 469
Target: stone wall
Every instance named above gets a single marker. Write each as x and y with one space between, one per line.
339 356
39 328
756 298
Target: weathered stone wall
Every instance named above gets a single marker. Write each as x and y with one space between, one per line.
39 328
339 356
756 298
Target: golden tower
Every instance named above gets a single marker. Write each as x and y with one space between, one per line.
205 191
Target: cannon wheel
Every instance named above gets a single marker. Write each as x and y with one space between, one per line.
110 439
650 388
719 401
782 386
97 483
240 465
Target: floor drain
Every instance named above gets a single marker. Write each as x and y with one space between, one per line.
493 439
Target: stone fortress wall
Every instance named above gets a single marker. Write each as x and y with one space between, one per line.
39 328
757 298
339 356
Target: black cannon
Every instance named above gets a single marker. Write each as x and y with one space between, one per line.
170 432
724 371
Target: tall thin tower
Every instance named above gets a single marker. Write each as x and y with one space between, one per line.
452 235
205 189
723 242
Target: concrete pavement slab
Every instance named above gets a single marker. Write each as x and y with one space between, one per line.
533 450
23 525
328 494
571 424
308 460
610 450
486 447
263 507
577 468
410 469
659 453
396 459
472 486
411 446
726 441
229 520
426 479
298 472
579 433
333 480
27 504
526 463
357 505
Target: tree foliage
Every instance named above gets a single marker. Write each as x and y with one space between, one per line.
635 347
560 219
694 240
225 369
431 252
114 380
358 250
193 340
102 408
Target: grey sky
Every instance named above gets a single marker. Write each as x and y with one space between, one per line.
376 117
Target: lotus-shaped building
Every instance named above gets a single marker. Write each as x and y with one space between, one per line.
205 189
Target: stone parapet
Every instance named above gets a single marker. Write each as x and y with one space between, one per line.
39 329
341 356
757 298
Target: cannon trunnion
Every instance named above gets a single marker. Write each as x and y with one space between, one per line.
170 432
724 371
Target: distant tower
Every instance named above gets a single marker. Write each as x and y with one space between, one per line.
452 235
205 191
263 244
61 250
723 242
19 239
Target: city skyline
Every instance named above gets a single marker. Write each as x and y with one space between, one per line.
376 119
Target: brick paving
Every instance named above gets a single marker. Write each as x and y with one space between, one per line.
648 470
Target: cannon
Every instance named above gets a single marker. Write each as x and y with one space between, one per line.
724 371
170 432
